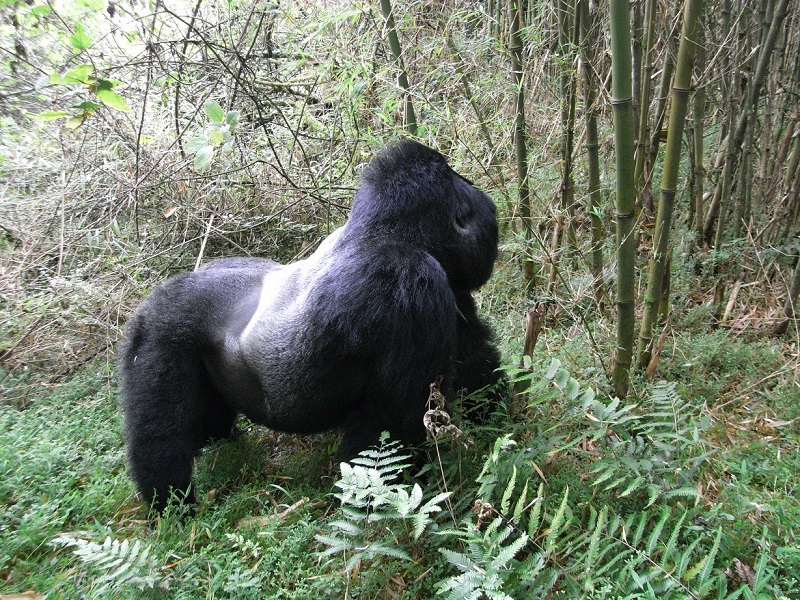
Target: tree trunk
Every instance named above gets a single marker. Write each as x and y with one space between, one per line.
520 132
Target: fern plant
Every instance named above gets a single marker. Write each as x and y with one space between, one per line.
374 503
526 544
485 567
119 564
533 548
651 448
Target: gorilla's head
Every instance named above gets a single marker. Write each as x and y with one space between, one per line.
409 193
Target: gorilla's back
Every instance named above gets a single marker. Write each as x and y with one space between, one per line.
274 366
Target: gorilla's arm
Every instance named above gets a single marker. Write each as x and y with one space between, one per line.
397 307
478 358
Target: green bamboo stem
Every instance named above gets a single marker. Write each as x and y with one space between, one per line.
622 102
520 132
669 180
402 78
592 149
661 110
644 95
568 39
636 57
698 115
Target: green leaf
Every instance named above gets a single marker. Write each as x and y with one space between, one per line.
506 500
358 88
79 75
79 39
52 115
561 379
95 5
202 159
195 144
112 100
232 118
214 111
555 365
587 398
101 84
42 10
76 121
87 105
572 389
216 137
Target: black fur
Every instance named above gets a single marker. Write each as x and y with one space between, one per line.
350 337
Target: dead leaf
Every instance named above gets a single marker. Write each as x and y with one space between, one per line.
740 573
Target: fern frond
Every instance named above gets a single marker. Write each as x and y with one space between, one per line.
655 533
536 512
594 540
460 561
369 495
555 524
519 506
119 563
506 500
507 553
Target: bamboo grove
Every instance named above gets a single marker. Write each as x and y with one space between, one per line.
704 99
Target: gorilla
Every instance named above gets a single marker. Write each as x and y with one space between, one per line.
349 338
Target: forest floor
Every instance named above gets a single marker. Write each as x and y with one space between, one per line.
735 407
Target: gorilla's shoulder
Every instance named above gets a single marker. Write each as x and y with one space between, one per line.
392 279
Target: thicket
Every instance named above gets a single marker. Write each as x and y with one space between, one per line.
138 140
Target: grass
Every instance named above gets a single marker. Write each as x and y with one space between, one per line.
265 496
67 507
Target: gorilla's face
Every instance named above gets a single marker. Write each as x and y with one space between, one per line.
470 257
409 193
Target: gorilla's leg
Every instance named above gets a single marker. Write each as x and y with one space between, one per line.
364 427
219 416
359 432
171 411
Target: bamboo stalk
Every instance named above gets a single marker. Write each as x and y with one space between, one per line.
567 36
661 110
622 102
592 149
636 56
790 309
644 95
409 116
698 115
669 180
520 132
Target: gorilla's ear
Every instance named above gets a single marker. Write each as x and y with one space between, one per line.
470 204
465 217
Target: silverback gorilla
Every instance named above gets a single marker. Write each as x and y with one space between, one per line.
351 337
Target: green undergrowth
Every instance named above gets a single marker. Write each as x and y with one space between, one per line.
686 490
